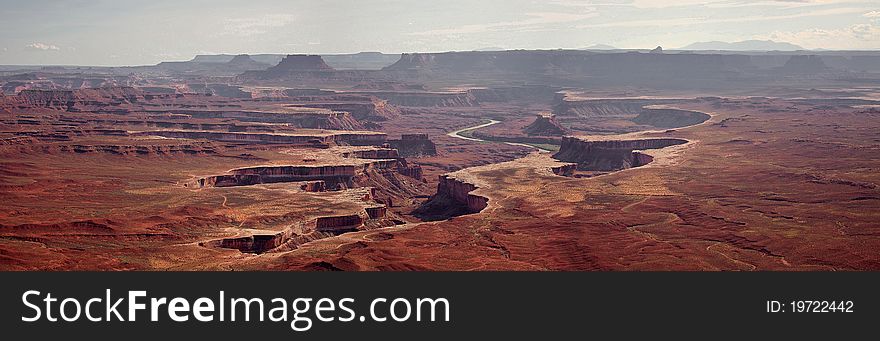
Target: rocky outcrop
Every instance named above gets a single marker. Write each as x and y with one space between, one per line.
376 212
460 192
339 224
414 145
329 176
258 243
607 155
567 169
413 171
641 159
300 62
314 186
545 125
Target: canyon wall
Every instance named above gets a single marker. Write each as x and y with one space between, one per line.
357 139
460 192
670 118
414 145
428 99
607 155
339 224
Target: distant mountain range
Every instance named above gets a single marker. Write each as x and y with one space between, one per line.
746 45
599 47
490 49
360 60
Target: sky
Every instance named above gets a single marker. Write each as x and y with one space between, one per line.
129 32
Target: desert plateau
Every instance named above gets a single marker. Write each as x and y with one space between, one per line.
498 160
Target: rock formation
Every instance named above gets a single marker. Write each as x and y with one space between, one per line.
606 155
325 139
545 125
339 224
414 145
460 191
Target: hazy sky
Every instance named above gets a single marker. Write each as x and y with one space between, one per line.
123 32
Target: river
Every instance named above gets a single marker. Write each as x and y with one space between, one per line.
457 134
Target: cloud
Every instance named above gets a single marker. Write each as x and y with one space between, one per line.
858 36
42 47
872 14
255 25
533 21
702 20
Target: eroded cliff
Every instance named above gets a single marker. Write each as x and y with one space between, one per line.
610 154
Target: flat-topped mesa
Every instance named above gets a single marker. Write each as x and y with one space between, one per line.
413 61
380 168
72 100
414 145
545 124
296 66
331 176
607 155
339 224
301 62
257 243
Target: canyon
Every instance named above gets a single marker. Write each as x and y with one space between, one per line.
490 160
